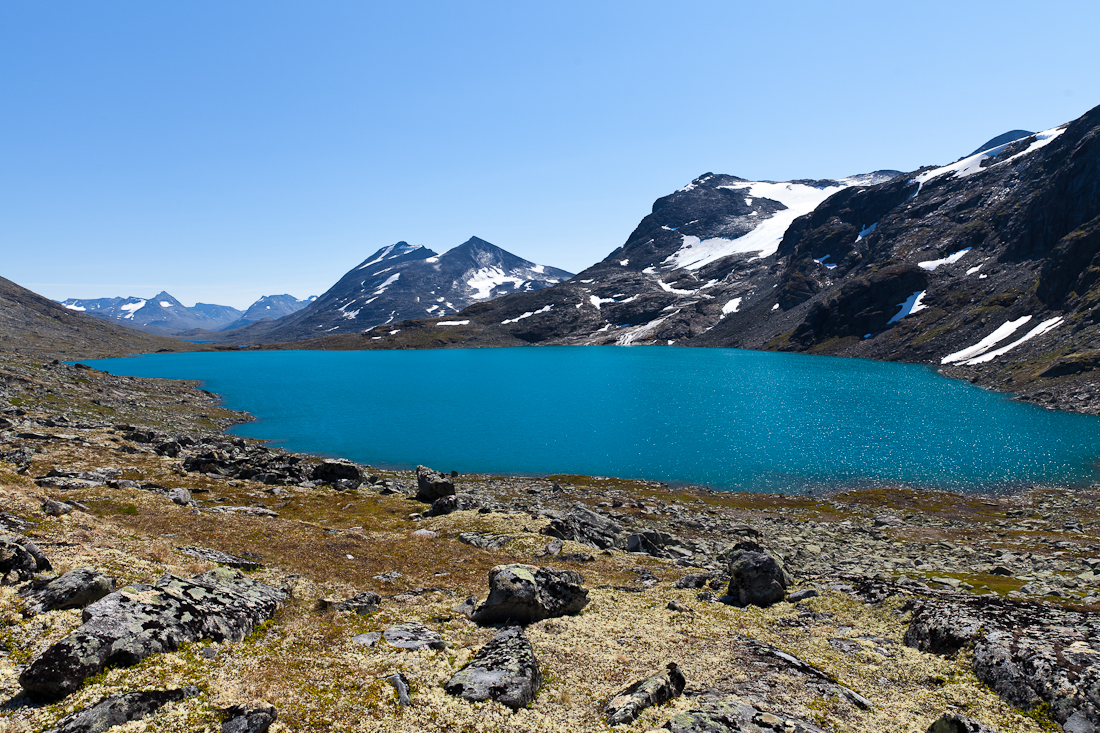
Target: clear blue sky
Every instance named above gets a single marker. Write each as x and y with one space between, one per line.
226 150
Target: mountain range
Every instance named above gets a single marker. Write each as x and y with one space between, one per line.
165 315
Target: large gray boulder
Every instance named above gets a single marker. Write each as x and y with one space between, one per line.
452 503
756 579
71 590
504 670
732 714
587 527
413 636
137 621
626 706
432 485
20 559
251 718
119 709
329 472
524 594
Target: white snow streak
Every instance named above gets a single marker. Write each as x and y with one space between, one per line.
132 307
912 304
75 307
1047 325
973 164
1000 334
388 281
669 289
452 323
950 259
488 278
528 314
596 300
731 307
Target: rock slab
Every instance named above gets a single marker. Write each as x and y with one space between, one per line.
134 622
71 590
524 594
119 709
733 714
432 485
251 718
504 670
657 689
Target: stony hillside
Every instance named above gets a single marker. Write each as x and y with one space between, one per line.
987 268
158 575
33 325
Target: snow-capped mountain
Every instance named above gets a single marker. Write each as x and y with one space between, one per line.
988 267
160 314
270 306
404 281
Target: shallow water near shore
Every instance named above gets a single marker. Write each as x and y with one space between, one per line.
724 418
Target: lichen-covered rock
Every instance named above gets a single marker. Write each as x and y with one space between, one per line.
56 508
657 689
958 723
20 559
452 503
413 636
255 717
524 594
587 527
119 709
943 630
756 579
362 603
504 670
71 590
134 622
432 485
732 714
220 558
329 472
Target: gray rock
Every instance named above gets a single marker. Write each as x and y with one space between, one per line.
251 511
119 709
368 639
179 496
432 485
329 472
756 579
485 540
452 503
71 590
361 603
504 670
524 594
734 714
425 534
626 706
943 630
413 636
252 718
551 549
800 595
137 621
401 687
587 527
958 723
221 558
56 508
19 559
653 542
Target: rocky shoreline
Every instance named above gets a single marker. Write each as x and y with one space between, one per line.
400 600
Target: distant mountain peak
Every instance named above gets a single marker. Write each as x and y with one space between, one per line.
1002 139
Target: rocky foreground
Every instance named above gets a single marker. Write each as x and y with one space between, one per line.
160 575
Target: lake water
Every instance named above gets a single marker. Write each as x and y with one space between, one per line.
724 418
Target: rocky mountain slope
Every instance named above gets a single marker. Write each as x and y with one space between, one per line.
269 306
987 267
33 325
405 281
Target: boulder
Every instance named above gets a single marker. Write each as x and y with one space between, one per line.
452 503
504 670
958 723
137 621
119 709
587 527
524 594
362 603
71 590
329 472
432 485
255 717
56 508
19 559
756 579
179 496
626 706
219 557
413 636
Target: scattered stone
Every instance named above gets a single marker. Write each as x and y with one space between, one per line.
251 511
694 580
467 607
56 508
137 621
71 590
388 577
368 639
413 636
678 607
401 687
20 559
452 503
221 558
551 549
485 540
800 595
179 496
626 706
426 534
119 709
363 603
432 485
255 717
524 594
958 723
657 544
756 579
329 472
504 670
888 520
587 527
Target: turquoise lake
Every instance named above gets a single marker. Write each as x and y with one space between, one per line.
724 418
